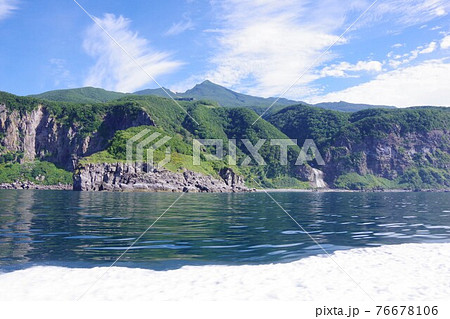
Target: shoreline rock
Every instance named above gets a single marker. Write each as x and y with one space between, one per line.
124 177
31 185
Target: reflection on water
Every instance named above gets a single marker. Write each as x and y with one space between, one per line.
95 228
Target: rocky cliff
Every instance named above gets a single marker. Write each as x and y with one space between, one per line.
38 134
391 155
145 178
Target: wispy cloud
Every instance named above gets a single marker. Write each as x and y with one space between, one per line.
180 27
429 49
345 69
7 7
423 84
407 13
396 60
113 69
263 46
61 75
445 42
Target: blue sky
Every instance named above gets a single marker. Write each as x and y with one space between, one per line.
398 53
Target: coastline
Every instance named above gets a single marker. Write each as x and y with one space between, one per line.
32 186
69 187
341 190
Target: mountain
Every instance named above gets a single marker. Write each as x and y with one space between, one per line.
80 95
375 148
206 90
350 107
157 92
369 149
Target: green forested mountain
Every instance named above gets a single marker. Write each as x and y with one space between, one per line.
80 95
350 107
158 92
369 149
228 98
376 148
206 90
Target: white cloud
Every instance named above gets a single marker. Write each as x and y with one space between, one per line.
394 63
7 7
263 46
408 13
180 27
423 84
114 70
60 74
397 45
401 59
342 69
429 49
445 42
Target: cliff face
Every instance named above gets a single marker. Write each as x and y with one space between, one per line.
39 135
389 156
141 177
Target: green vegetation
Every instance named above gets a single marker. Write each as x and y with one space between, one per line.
350 107
413 179
377 123
303 122
42 173
425 178
325 126
355 181
10 157
86 118
347 139
80 95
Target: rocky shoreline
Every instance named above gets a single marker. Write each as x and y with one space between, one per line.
137 187
124 177
31 185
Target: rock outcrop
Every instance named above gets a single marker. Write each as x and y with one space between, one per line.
31 185
142 177
37 134
389 156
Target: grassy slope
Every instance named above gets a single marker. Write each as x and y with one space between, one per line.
42 173
80 95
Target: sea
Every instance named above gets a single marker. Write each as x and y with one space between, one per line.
64 245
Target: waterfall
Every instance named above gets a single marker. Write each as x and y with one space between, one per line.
318 179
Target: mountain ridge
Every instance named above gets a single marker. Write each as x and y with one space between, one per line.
206 90
369 149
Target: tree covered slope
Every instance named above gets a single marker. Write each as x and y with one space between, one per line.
369 149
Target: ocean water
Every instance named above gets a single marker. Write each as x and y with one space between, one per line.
54 244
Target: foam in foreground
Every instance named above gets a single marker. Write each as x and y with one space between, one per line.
400 272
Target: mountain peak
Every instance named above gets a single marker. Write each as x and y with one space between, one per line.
208 83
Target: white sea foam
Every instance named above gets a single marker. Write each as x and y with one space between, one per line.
399 272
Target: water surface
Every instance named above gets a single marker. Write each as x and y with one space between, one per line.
86 229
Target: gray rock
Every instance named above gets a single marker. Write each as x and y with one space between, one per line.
129 177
